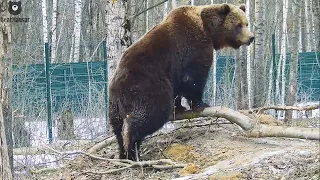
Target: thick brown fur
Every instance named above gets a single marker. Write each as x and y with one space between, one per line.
172 59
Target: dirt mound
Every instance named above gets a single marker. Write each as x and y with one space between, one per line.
216 152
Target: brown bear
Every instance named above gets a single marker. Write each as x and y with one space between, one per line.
173 59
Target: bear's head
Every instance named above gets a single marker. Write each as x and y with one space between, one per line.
227 24
14 7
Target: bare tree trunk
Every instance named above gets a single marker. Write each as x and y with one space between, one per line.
304 34
278 49
165 10
173 4
77 29
214 78
44 23
54 30
308 16
249 69
316 23
283 51
270 91
146 16
238 81
241 78
259 63
5 41
294 61
126 40
5 170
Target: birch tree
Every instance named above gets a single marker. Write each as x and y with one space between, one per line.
304 31
147 16
165 10
249 87
74 56
316 24
173 4
214 76
259 62
283 55
308 16
44 23
54 30
294 59
5 41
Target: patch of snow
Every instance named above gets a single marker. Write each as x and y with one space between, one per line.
84 129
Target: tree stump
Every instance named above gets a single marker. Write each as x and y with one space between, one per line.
65 125
21 137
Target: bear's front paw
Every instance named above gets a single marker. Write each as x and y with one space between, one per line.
179 109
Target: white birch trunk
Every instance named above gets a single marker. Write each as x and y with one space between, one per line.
269 101
71 49
214 74
63 18
44 24
147 16
284 51
54 30
77 30
165 10
174 4
307 15
214 77
259 76
314 23
192 2
249 59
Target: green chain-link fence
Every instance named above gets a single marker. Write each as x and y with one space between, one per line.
80 87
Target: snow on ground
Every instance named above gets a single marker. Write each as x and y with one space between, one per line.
87 129
84 129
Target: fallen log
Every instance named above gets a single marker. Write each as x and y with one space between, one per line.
252 127
286 108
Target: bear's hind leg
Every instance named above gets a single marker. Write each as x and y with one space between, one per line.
117 124
131 138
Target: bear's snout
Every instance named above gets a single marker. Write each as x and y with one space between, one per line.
251 38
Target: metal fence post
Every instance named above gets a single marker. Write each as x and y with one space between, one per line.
105 60
48 88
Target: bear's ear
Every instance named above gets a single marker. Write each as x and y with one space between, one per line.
242 7
19 3
225 9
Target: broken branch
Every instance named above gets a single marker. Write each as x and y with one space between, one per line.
306 108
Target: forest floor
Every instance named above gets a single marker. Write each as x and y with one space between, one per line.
212 152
